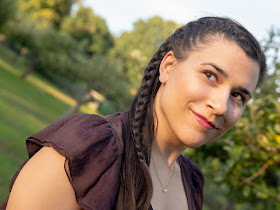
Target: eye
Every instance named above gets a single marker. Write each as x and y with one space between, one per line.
211 76
238 96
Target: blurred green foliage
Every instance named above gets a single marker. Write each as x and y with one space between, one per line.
20 33
70 55
48 12
7 11
135 49
87 27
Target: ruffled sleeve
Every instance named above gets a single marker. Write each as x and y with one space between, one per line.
91 148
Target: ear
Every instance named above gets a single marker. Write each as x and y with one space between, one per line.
167 65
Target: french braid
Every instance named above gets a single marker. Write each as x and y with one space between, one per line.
135 191
138 146
145 96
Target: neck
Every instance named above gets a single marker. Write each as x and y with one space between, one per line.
164 153
166 146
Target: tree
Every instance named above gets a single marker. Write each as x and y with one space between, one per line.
7 11
135 49
47 11
99 75
20 31
87 27
63 61
44 46
60 55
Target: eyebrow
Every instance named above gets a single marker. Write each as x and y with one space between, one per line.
223 73
220 70
244 90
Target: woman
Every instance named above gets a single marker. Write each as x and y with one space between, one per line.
194 90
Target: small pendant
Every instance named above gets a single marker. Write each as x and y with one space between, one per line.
165 190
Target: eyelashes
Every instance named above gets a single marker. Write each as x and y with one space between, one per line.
238 96
211 76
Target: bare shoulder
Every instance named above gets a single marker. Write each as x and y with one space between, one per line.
43 184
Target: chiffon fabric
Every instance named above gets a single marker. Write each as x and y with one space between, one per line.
93 147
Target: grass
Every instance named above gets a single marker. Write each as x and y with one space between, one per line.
26 106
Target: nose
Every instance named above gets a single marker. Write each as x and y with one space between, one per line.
219 102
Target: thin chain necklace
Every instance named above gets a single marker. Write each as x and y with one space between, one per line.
164 187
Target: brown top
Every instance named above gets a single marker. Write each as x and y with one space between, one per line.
93 146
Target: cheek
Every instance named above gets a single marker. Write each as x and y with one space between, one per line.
233 118
196 88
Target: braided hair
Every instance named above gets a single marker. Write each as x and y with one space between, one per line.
135 191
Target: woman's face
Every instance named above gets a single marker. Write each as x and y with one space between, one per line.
201 98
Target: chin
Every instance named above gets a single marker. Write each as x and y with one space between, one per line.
195 145
198 143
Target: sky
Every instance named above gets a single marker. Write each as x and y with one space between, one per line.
258 16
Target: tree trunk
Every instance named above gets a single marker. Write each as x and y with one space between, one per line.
30 68
27 71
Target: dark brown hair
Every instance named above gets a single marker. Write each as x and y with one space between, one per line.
135 191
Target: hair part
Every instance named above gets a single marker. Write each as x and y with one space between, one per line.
135 191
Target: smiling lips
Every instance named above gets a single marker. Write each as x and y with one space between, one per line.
204 122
